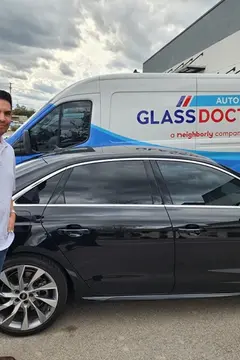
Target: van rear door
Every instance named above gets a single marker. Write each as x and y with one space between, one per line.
218 107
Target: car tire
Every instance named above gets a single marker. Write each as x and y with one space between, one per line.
43 306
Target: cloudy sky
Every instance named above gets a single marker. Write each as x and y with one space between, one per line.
47 45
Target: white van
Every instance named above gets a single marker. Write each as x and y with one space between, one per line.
197 112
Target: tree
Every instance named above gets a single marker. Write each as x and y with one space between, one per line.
23 111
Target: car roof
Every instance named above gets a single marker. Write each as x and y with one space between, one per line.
69 156
35 169
73 155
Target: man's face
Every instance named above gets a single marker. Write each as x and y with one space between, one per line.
5 116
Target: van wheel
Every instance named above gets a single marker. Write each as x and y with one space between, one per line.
33 293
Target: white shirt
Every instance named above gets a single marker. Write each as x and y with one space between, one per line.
7 186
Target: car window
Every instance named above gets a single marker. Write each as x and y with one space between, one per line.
66 125
196 184
41 193
120 182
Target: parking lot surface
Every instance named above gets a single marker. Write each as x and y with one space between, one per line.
156 330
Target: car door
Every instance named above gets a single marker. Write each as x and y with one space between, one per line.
30 204
110 225
204 209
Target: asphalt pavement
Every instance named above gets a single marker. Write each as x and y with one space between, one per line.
152 330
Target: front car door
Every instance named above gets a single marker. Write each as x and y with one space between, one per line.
109 223
203 205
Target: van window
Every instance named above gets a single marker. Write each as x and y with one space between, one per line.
45 132
75 123
66 125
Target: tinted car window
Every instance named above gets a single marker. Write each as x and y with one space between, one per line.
196 184
120 182
41 193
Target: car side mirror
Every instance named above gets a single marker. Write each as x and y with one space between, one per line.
27 142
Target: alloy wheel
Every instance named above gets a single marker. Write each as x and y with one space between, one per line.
28 297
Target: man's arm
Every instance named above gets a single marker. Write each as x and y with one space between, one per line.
12 211
12 218
12 215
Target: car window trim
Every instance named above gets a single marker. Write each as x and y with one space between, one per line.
161 184
82 163
166 206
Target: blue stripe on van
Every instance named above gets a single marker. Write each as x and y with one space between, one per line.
215 100
33 120
102 137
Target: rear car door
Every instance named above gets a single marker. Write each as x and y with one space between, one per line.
109 223
203 205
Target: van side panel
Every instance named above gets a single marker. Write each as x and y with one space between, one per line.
199 112
218 109
151 111
218 124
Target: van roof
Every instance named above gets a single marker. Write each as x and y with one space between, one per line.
119 76
93 83
160 75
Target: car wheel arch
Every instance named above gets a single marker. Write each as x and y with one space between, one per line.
76 285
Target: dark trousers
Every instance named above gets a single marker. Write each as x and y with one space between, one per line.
3 254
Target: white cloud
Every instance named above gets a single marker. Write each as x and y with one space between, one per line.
45 46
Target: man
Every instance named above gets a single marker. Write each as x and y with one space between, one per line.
7 179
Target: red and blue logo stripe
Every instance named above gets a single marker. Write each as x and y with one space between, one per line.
184 101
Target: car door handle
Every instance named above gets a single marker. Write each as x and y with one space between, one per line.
74 232
191 229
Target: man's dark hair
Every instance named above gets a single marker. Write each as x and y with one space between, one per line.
4 95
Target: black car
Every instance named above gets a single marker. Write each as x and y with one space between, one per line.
119 223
